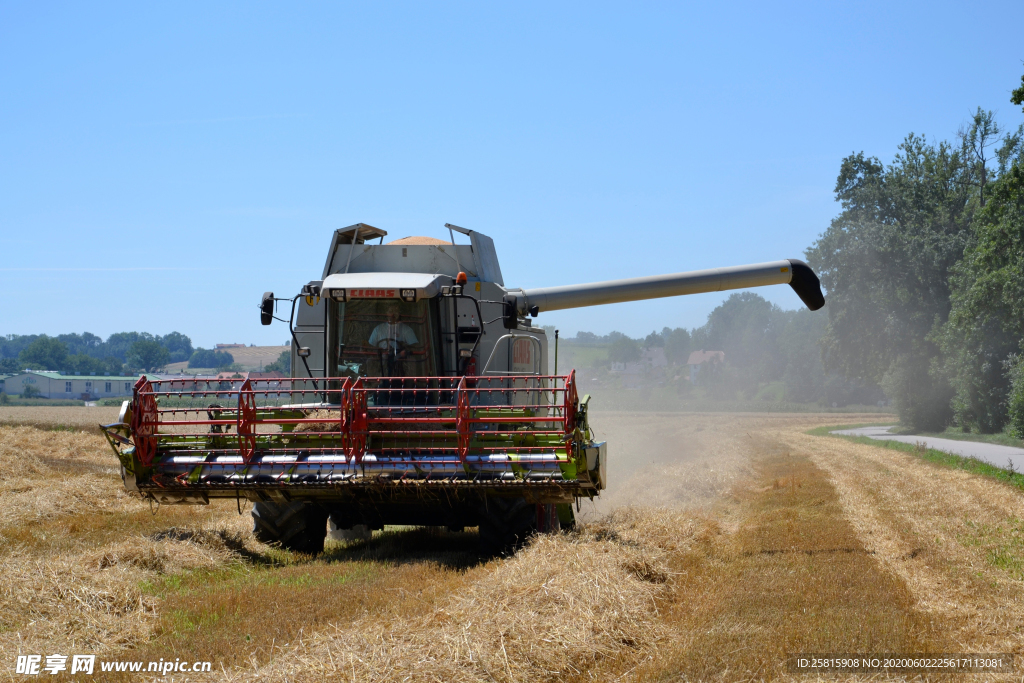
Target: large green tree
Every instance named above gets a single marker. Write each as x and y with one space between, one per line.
983 336
885 262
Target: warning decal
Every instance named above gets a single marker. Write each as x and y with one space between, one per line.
522 354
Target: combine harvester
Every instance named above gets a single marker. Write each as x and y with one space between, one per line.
419 395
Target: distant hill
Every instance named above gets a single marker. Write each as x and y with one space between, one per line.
249 357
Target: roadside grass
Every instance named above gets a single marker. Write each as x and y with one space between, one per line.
942 458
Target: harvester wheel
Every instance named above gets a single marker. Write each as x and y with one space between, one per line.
505 524
297 526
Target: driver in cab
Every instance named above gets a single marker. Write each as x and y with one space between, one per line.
393 337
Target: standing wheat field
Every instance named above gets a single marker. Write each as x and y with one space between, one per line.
725 543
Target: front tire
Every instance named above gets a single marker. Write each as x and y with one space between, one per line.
297 526
507 523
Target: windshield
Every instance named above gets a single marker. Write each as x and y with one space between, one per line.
383 338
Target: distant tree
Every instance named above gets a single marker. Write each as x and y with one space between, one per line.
112 366
653 340
147 354
85 343
721 381
624 350
179 346
677 345
283 364
207 358
45 353
81 364
746 327
117 344
30 391
799 345
12 344
9 366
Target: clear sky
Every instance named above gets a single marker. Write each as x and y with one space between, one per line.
165 163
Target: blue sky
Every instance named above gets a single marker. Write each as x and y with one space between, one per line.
163 165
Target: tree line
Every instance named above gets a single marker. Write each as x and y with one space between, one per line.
924 272
767 350
88 354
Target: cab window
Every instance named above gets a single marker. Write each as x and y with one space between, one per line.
383 338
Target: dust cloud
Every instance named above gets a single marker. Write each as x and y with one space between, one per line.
677 460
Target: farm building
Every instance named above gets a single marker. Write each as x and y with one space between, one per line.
56 385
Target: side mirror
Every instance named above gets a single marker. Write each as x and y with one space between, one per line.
509 314
267 308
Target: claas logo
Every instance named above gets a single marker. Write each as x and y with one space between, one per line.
372 293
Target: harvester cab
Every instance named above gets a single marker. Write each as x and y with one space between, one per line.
417 307
419 395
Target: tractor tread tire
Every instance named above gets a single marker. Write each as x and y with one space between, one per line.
506 524
296 526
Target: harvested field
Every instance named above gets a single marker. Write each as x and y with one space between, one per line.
726 542
68 417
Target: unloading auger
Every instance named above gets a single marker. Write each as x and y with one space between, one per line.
419 395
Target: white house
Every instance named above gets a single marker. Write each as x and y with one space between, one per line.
80 387
698 358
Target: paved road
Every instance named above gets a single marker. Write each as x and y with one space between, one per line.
1000 456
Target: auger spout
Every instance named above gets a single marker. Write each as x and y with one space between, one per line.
796 274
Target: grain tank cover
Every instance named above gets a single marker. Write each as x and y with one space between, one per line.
405 286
